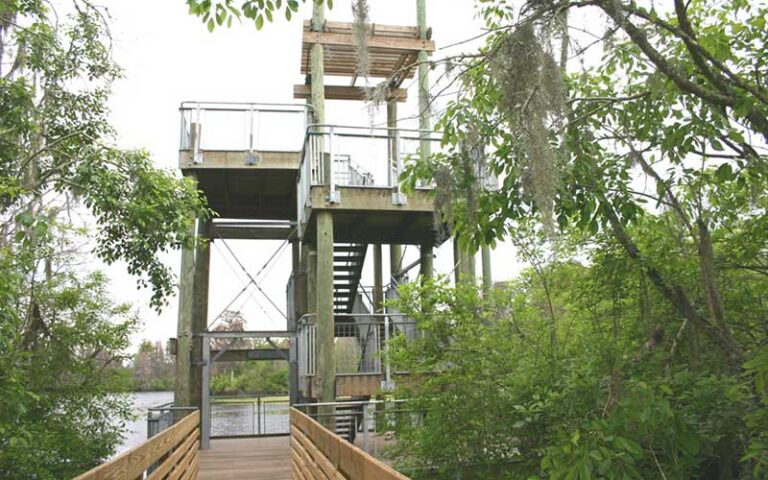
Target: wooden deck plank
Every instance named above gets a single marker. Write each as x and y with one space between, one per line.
266 458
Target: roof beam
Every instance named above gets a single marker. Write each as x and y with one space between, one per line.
239 355
253 232
378 42
344 92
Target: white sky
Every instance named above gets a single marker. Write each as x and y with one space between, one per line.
169 57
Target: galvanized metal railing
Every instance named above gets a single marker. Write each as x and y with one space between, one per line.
368 424
237 126
351 156
360 345
160 417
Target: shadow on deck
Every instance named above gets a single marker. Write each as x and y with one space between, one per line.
264 458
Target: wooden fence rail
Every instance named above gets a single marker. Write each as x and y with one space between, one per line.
319 454
173 452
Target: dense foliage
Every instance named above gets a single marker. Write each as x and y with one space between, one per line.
636 345
66 191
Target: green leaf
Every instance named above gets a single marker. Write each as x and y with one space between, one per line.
259 22
724 173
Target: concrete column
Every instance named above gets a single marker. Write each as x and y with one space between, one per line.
181 394
378 279
200 307
324 330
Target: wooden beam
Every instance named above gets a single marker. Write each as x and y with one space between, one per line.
256 232
376 28
379 42
345 92
241 355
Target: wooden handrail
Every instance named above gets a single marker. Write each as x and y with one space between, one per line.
173 452
319 454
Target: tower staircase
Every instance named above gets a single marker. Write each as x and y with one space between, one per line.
348 259
348 421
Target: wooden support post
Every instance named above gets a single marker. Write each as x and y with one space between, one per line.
395 261
295 315
298 284
395 251
487 276
394 171
427 261
468 270
378 280
200 307
456 261
325 373
318 64
181 393
423 73
311 280
318 80
464 261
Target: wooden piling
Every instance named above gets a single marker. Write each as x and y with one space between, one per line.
324 330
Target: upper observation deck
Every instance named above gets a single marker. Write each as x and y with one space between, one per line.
392 55
354 172
245 156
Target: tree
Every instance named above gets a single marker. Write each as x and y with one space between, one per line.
60 333
217 13
678 103
570 149
152 368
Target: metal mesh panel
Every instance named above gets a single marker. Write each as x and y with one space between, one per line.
357 347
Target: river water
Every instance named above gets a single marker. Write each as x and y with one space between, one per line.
229 417
137 429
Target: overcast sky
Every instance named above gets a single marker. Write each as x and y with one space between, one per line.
169 57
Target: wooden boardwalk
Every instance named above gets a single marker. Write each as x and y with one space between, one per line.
266 458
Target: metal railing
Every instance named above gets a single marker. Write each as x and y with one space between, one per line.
361 342
242 127
369 424
231 416
349 156
162 416
249 416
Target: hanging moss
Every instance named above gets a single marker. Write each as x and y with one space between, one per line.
533 102
361 30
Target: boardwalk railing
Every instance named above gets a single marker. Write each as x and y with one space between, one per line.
172 453
319 454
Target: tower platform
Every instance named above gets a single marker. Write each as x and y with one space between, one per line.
244 156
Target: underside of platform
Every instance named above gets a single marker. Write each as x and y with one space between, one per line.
368 215
246 185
